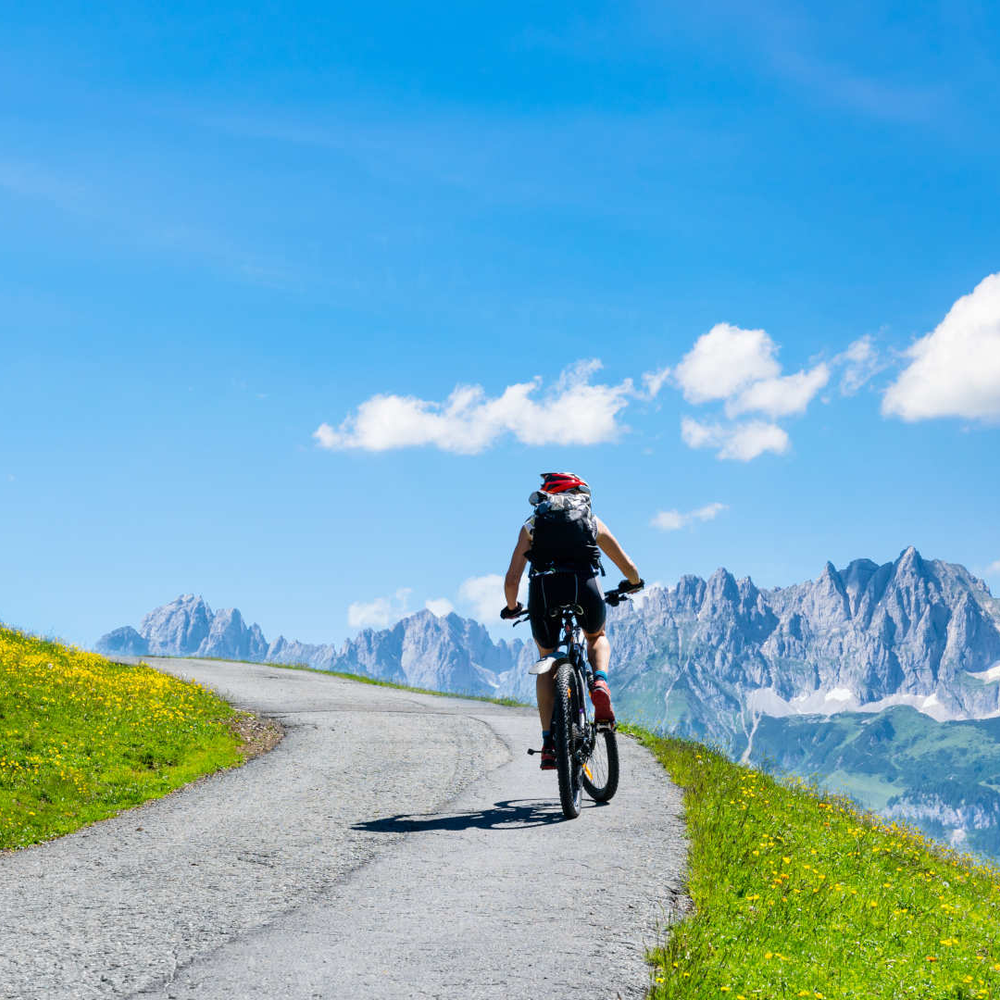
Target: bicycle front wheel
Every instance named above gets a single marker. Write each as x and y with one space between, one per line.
567 735
600 773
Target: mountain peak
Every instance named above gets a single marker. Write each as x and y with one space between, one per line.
720 591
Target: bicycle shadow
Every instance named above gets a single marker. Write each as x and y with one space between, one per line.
513 814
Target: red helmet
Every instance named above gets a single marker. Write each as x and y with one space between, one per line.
558 482
561 482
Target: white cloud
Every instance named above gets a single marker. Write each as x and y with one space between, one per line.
439 606
861 361
780 396
669 520
381 612
654 381
725 360
737 441
955 370
740 367
672 520
484 596
574 411
993 569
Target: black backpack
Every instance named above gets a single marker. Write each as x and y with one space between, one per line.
564 535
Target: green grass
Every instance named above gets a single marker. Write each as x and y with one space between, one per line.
797 894
82 738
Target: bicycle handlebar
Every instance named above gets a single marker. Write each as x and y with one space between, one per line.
623 592
612 598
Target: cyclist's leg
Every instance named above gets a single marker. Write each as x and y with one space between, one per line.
598 647
545 691
595 613
545 630
599 654
598 651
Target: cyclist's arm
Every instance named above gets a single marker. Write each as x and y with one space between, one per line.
512 581
610 547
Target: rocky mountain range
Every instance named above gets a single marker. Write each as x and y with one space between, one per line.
707 658
719 660
710 658
446 653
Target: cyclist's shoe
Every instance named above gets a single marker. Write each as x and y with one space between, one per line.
548 758
601 697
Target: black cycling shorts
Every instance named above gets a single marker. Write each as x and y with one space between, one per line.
547 593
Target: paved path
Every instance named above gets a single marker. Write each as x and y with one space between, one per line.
393 845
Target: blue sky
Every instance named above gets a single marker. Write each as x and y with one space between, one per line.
225 230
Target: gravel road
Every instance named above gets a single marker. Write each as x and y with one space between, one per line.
392 845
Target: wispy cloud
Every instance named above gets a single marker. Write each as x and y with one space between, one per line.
439 606
846 87
29 180
742 442
860 363
791 44
674 520
381 612
547 157
654 381
101 207
483 597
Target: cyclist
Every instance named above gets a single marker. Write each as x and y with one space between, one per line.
565 564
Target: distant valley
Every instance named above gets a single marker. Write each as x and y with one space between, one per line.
882 680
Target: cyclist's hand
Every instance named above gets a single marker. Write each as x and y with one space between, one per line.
507 613
630 588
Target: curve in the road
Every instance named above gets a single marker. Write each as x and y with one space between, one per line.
393 845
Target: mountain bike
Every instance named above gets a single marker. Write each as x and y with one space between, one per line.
586 751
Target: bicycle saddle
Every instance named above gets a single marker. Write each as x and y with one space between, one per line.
576 609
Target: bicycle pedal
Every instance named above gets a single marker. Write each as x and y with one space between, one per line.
605 727
532 750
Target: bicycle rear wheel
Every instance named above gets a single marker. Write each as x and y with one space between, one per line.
600 773
567 736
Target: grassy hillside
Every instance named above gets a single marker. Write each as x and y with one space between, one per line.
82 738
800 895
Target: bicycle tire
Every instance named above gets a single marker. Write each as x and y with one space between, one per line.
565 733
600 773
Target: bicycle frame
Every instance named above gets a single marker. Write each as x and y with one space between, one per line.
573 644
575 734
